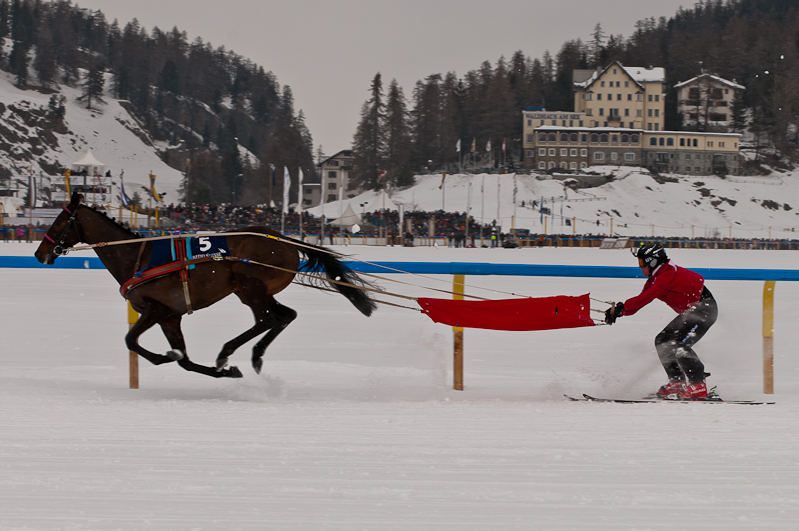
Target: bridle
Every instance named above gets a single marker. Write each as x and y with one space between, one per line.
58 247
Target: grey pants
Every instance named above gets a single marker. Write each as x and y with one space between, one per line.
674 343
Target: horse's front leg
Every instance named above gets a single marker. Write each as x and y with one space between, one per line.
173 334
151 314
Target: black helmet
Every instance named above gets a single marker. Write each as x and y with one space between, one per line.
652 254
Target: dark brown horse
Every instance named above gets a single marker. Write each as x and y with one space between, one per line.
255 270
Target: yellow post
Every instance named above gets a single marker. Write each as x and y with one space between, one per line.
457 373
133 357
768 337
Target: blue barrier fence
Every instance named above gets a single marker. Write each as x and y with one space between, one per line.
463 268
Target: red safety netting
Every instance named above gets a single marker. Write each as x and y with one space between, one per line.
545 313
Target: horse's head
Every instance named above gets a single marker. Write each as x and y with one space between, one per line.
63 233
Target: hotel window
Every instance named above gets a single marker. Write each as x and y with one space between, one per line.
657 97
639 96
599 156
331 186
696 143
573 137
618 97
626 112
331 175
583 152
573 166
669 141
601 111
542 165
564 137
629 157
625 139
572 152
594 138
614 156
682 142
657 113
634 139
583 165
542 137
649 97
563 165
564 152
552 137
551 152
599 96
603 138
653 141
551 165
649 112
601 83
542 152
626 84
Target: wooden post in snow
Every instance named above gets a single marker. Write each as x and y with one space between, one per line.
457 331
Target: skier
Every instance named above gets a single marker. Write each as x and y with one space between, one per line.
685 292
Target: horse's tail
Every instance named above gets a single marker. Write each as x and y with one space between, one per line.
322 260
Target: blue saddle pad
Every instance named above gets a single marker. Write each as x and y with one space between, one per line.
199 247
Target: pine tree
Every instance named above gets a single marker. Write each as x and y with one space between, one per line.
368 145
397 134
93 85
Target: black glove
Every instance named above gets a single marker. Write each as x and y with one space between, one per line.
614 312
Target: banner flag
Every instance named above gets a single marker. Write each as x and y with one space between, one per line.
542 313
474 144
488 145
458 146
286 187
122 196
152 189
299 193
503 145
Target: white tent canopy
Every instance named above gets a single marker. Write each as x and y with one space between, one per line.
347 219
90 164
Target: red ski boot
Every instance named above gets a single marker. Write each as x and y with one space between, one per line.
695 391
674 387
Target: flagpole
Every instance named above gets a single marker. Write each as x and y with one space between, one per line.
468 208
482 207
32 202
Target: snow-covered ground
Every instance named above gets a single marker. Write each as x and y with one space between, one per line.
354 424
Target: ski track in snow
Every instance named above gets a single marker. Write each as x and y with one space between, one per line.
354 425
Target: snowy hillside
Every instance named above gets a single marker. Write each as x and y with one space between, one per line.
640 204
109 131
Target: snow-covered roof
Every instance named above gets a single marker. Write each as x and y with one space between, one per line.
88 160
639 74
718 79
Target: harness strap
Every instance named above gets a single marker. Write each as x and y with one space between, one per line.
151 274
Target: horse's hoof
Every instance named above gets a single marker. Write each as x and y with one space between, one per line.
175 355
234 372
258 364
220 363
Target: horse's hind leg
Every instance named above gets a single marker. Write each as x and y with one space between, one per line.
174 335
253 294
282 317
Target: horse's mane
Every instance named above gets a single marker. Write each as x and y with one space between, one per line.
113 221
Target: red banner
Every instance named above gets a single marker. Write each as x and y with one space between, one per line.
544 313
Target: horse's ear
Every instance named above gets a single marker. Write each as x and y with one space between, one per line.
76 199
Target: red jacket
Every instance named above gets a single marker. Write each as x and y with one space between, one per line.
678 287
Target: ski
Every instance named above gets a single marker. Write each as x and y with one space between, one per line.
712 400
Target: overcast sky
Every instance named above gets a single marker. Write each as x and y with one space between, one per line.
328 51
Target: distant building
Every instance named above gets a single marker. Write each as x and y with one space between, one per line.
618 121
621 96
335 176
705 101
